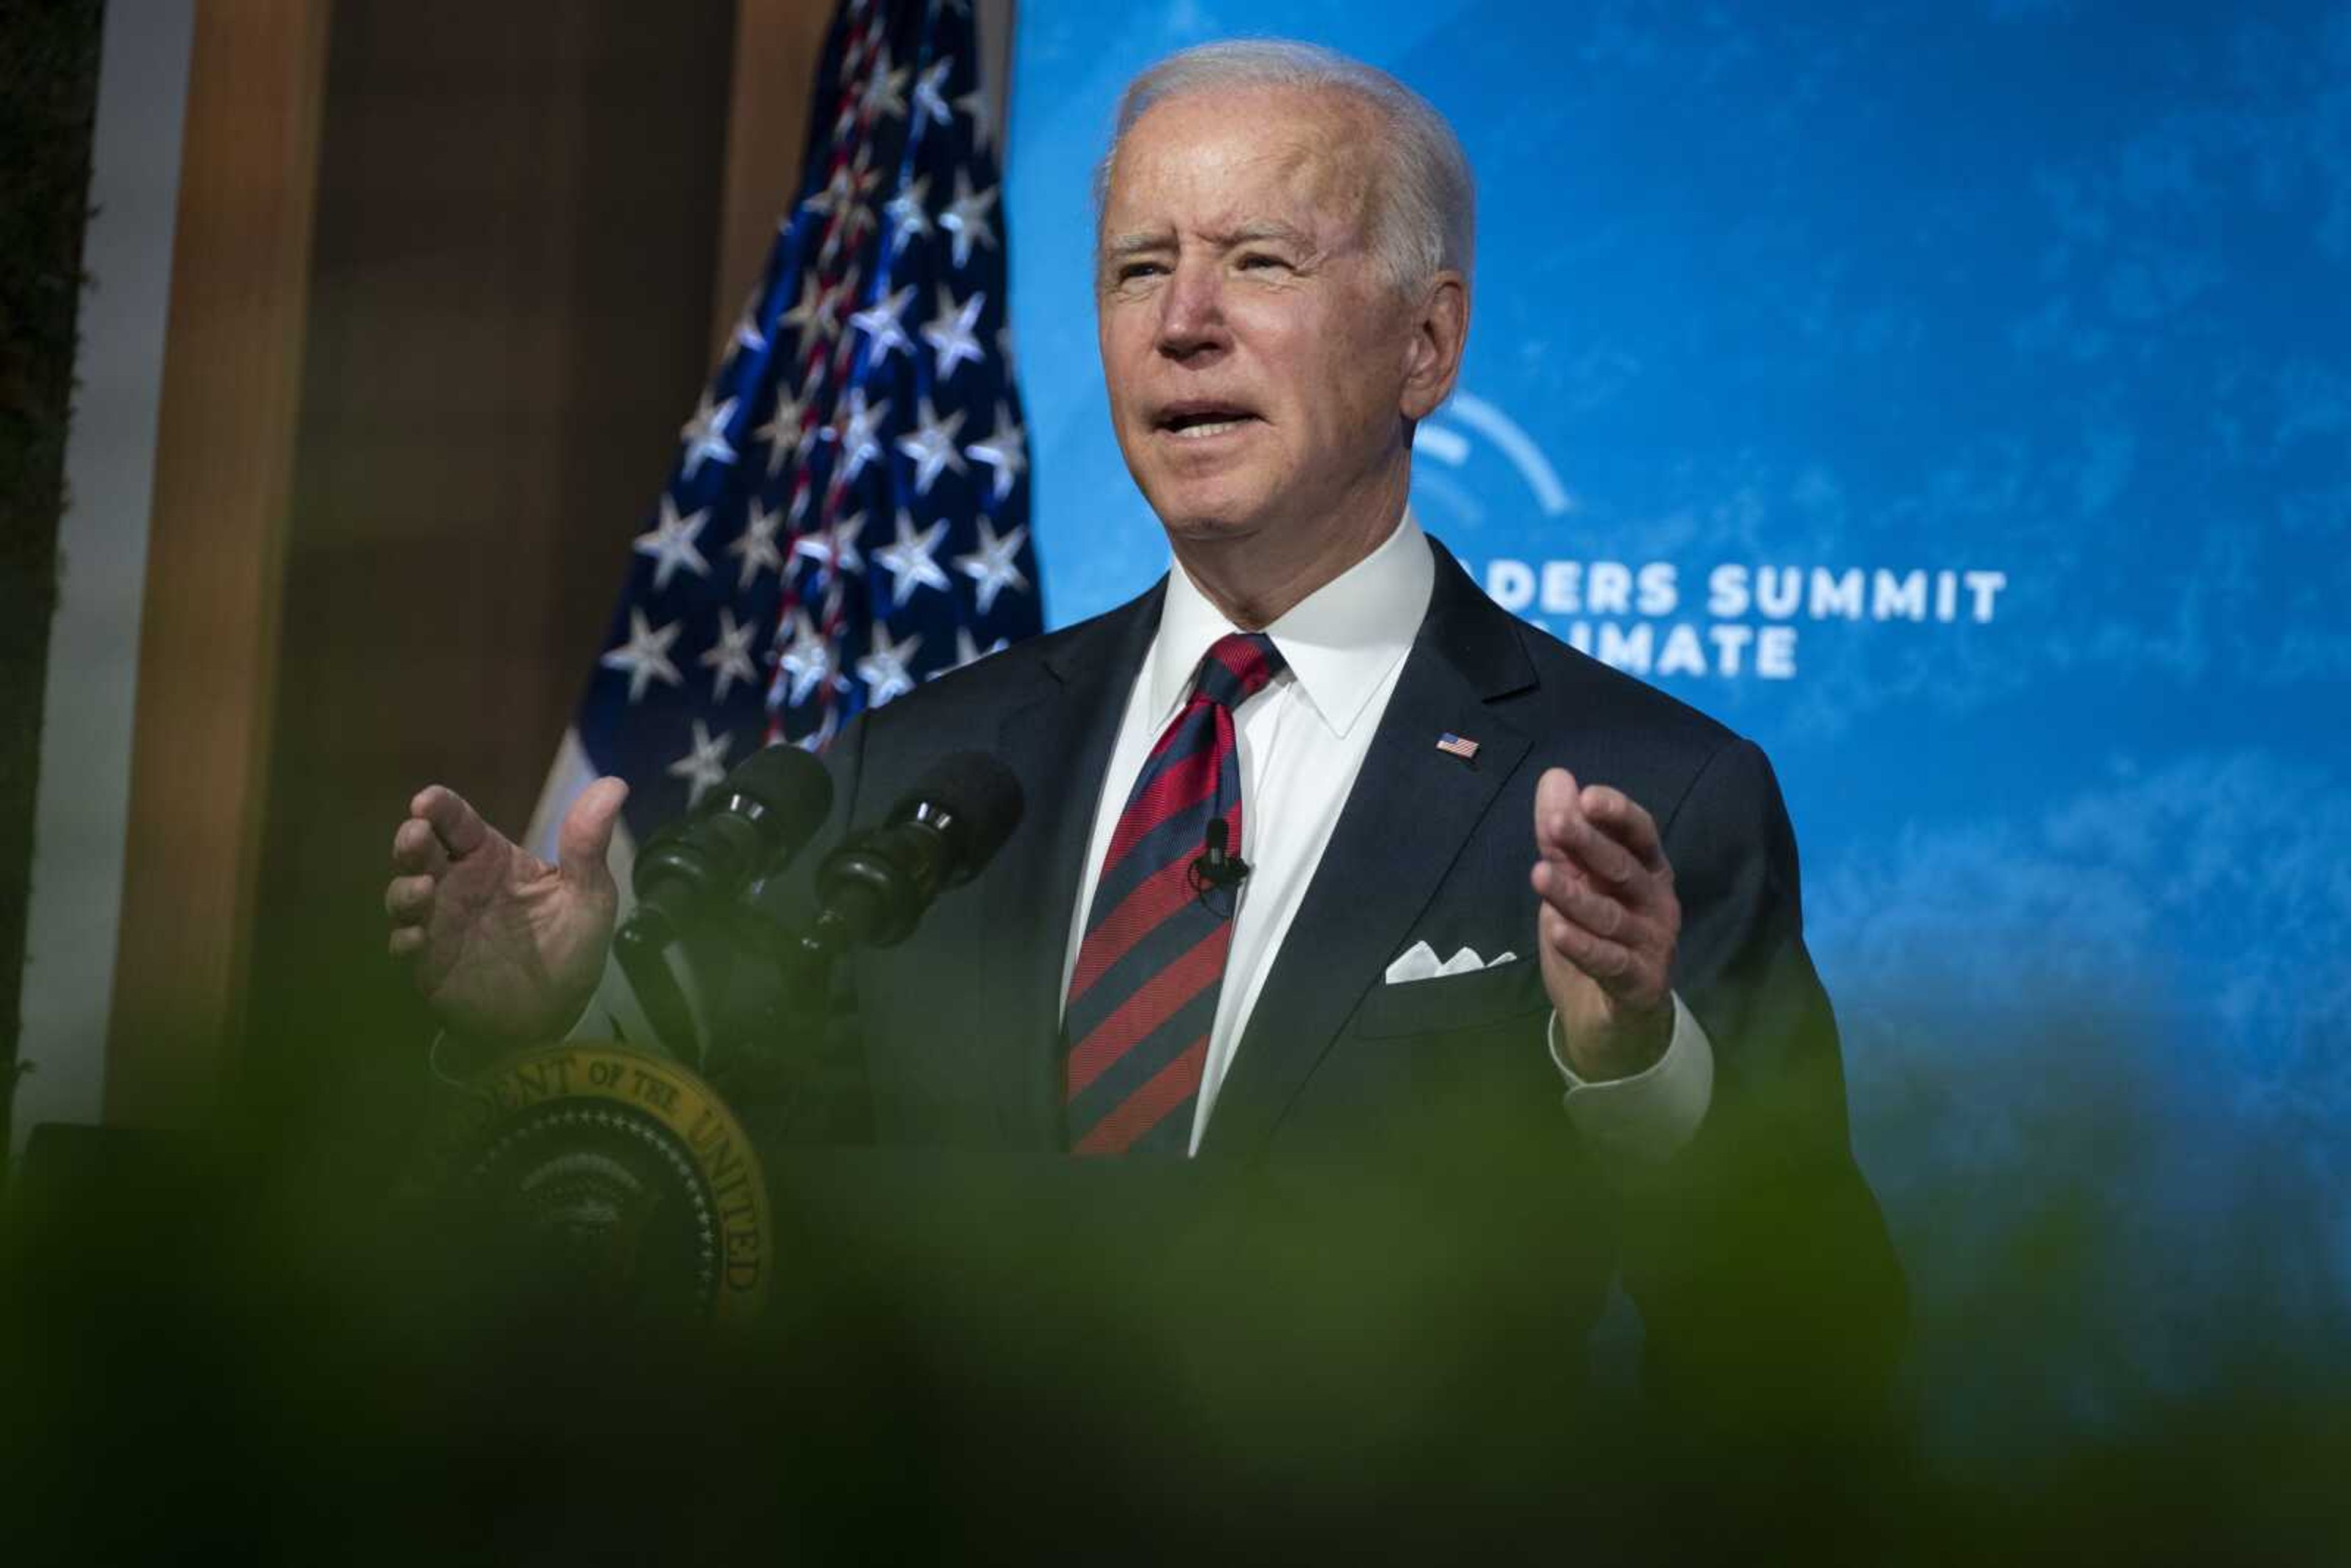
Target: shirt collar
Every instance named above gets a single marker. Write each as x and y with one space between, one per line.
1340 640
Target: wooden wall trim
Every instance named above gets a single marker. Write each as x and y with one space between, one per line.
208 642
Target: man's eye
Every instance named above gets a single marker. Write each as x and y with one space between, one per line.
1257 261
1130 272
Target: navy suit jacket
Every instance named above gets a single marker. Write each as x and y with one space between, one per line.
1756 1254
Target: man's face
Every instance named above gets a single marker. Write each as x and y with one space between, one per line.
1257 362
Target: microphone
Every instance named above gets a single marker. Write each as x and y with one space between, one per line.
1212 867
756 821
940 834
872 891
759 817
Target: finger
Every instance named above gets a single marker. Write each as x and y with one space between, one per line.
1601 913
457 825
409 899
1615 968
1555 802
1582 842
1609 963
1627 820
416 848
406 941
586 836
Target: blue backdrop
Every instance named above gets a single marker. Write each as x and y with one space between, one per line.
1956 399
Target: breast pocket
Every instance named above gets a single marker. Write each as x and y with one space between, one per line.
1452 1003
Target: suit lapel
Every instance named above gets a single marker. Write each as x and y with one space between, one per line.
1411 810
1057 745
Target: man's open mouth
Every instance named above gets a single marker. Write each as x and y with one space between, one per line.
1200 421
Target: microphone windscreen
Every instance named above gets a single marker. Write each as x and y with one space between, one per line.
792 789
980 793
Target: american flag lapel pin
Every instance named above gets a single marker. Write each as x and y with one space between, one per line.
1459 746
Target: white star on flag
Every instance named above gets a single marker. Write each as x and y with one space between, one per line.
886 92
807 659
930 89
1006 452
931 446
909 218
670 543
817 316
880 322
949 333
757 546
645 656
835 549
860 430
991 567
704 767
746 326
884 668
844 192
911 560
983 119
705 435
969 652
787 430
730 656
967 219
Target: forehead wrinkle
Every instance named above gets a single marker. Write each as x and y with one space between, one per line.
1318 174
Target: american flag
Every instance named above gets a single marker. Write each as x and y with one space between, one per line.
847 515
1459 746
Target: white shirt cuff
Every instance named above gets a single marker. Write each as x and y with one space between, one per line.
1644 1119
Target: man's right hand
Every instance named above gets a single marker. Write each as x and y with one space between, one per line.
505 947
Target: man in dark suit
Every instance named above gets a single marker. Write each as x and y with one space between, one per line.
1485 872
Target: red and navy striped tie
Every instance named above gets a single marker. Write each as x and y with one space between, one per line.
1143 995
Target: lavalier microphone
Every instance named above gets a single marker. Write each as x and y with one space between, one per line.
1213 867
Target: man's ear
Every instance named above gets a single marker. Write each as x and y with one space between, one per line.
1433 358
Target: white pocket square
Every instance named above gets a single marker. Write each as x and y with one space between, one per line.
1419 963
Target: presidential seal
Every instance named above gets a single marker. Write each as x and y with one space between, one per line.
595 1168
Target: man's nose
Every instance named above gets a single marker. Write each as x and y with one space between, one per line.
1192 311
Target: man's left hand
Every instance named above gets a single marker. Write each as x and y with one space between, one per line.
1608 925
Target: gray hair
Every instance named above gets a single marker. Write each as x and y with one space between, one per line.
1425 220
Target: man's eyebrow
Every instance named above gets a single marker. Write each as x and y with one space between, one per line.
1263 229
1136 241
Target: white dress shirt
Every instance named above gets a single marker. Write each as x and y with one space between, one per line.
1303 739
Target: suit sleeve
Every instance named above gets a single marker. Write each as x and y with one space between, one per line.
1758 1256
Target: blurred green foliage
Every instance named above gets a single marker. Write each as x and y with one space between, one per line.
1034 1359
